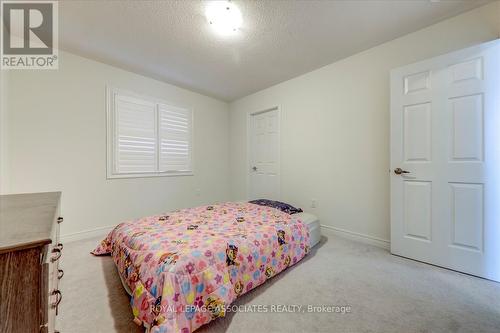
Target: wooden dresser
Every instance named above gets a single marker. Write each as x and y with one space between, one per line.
29 262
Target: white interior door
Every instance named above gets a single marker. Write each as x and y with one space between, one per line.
445 132
264 158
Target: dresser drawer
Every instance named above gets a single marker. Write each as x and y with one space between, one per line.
51 276
48 298
56 254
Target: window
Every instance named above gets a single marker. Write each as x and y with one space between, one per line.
147 137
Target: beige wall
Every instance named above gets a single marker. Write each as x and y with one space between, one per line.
57 141
335 125
4 165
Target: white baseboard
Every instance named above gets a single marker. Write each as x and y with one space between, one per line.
379 242
85 234
103 231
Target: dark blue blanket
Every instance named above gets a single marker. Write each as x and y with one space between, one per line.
284 207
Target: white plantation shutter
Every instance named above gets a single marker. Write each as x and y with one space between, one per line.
135 135
175 126
147 137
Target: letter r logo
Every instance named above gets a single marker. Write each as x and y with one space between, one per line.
28 28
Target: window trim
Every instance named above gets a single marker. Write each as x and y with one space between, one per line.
111 135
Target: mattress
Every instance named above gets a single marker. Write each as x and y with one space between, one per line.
184 268
313 225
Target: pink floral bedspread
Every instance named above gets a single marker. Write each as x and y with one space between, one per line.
186 267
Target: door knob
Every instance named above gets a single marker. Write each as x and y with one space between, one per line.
254 168
399 171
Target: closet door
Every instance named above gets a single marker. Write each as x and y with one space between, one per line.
264 158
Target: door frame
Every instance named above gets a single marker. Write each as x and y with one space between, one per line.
249 119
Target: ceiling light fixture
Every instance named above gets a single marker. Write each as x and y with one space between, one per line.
224 17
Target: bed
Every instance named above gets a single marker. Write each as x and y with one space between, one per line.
186 267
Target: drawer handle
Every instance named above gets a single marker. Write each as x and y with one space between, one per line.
58 295
58 255
60 220
44 328
60 274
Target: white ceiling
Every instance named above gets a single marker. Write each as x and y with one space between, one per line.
172 41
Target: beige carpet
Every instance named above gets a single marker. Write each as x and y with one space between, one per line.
386 294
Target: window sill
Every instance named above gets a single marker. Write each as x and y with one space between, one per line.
149 175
